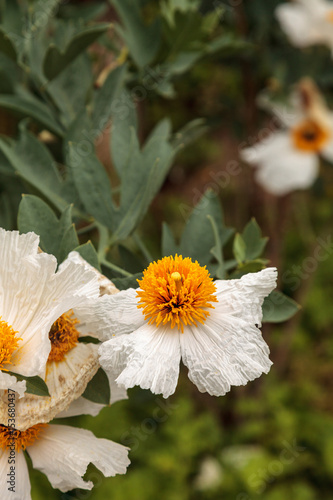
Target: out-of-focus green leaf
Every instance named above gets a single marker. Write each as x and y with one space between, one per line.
98 389
169 246
142 40
198 238
6 46
35 215
28 106
239 248
142 174
82 11
254 243
216 250
57 236
56 60
93 185
108 98
277 307
33 162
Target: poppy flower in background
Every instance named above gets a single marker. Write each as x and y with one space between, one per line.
307 22
288 159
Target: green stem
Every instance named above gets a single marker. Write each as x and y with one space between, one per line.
143 248
103 244
86 229
115 268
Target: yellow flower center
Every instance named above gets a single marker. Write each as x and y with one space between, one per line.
8 343
309 136
63 335
10 438
176 291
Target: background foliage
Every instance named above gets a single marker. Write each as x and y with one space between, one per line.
121 123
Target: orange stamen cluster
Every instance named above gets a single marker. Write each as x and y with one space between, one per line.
8 343
63 335
309 136
176 291
10 438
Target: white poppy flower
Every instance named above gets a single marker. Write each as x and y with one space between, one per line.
307 22
32 296
59 451
180 313
71 364
288 159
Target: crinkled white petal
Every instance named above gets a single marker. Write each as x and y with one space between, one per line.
66 381
10 382
22 486
281 168
124 315
306 22
148 357
33 296
222 352
63 454
95 318
228 349
243 298
105 285
83 406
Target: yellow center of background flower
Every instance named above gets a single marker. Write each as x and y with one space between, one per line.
20 439
63 335
329 16
309 136
8 343
176 291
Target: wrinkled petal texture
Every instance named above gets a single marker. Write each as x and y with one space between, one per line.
22 486
229 349
149 357
10 382
63 453
33 296
281 168
124 315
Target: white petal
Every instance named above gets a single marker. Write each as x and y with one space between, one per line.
223 352
10 382
63 454
105 285
20 477
149 357
66 381
33 296
124 315
281 167
298 24
96 318
244 297
228 348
